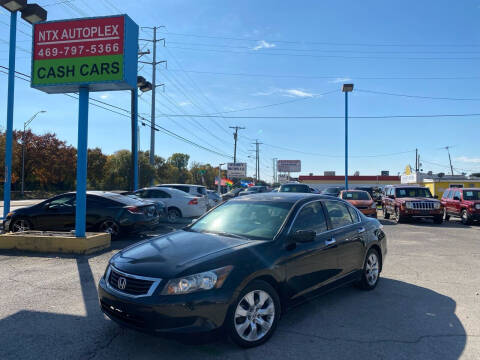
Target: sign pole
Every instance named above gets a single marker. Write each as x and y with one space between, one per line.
81 196
134 111
9 130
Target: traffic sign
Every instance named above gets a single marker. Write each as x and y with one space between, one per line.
100 53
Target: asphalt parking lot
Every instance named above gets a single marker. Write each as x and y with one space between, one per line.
426 306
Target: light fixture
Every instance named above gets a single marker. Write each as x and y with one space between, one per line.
146 87
347 87
34 13
13 5
141 81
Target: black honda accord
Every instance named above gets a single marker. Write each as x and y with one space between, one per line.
242 264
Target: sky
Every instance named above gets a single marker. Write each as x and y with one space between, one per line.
277 69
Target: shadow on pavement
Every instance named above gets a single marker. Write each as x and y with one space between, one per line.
397 320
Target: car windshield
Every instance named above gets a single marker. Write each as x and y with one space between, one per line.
252 220
413 192
356 195
295 188
471 194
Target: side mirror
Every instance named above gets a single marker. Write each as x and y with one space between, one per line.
304 236
435 196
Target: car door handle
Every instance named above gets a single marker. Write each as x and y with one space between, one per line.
361 230
331 241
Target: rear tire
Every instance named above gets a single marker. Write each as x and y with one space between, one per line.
253 317
371 271
466 219
438 219
173 215
110 227
386 215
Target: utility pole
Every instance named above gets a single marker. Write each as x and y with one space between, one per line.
449 158
257 159
273 171
416 160
235 137
154 64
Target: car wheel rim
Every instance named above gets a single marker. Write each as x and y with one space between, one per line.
20 225
110 227
172 216
464 216
254 315
371 269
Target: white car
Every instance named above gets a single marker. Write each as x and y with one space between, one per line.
213 198
179 204
194 190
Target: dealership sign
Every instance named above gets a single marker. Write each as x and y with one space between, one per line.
236 170
289 166
100 53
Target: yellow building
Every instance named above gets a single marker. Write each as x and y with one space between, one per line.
438 185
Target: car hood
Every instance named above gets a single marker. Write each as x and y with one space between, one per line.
418 199
168 256
361 202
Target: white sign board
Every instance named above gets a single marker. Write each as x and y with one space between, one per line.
283 178
289 166
236 170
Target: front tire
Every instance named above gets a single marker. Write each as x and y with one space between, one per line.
386 215
398 217
446 217
20 225
253 318
438 219
371 271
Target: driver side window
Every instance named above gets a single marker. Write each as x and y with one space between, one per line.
311 217
61 202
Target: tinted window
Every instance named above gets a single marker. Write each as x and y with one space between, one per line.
471 194
354 214
311 217
457 195
121 199
158 194
338 213
298 188
201 190
445 194
95 201
356 195
450 194
413 192
62 202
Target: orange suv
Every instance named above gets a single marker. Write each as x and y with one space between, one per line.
361 200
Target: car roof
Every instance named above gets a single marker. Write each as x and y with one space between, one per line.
293 183
280 197
455 188
163 185
114 196
167 189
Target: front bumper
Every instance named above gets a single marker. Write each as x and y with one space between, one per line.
422 213
190 313
370 212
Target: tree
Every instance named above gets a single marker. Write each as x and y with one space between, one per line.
96 168
179 160
117 171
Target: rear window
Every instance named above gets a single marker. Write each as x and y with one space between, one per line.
122 199
201 190
356 195
298 188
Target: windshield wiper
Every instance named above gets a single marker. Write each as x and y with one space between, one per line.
224 233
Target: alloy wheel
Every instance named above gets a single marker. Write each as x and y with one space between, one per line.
254 315
172 215
20 225
110 227
371 269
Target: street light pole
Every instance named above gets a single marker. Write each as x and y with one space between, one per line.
25 124
219 178
346 89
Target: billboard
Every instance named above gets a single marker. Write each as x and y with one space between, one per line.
236 170
289 165
98 53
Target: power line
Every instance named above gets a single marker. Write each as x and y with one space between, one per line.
334 77
326 56
333 117
416 96
323 42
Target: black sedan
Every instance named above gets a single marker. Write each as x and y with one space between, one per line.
241 265
106 212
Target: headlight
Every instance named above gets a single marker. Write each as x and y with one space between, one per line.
477 206
436 205
11 213
409 205
106 272
203 281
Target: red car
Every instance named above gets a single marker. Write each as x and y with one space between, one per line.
464 203
361 200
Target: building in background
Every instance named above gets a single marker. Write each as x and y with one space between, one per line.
320 182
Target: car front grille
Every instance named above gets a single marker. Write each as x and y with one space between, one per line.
423 205
128 284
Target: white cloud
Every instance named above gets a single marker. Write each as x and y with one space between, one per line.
262 44
340 80
467 159
184 103
285 92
